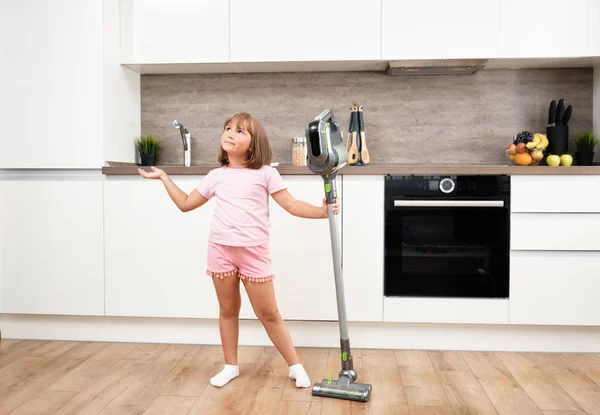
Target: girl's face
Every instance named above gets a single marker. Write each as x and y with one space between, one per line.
235 140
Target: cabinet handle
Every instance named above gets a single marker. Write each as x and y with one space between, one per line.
449 203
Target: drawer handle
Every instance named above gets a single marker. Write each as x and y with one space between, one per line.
449 203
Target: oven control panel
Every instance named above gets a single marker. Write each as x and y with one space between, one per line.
446 186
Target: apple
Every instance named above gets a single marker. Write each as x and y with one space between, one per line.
553 160
537 155
521 148
566 160
512 149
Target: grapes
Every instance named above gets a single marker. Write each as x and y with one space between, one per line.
523 137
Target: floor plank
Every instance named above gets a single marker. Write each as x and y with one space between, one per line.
15 351
582 389
53 349
264 389
31 385
171 405
421 383
448 361
501 387
546 394
226 400
4 343
587 363
83 375
299 408
45 403
114 351
564 413
553 363
100 393
192 379
432 410
465 393
144 389
147 351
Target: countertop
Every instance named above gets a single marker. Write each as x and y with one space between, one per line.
379 169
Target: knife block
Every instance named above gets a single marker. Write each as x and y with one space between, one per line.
558 139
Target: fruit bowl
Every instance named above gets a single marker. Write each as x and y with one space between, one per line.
527 149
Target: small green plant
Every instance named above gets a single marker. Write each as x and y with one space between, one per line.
586 142
147 145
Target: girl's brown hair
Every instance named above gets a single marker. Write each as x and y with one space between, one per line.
260 149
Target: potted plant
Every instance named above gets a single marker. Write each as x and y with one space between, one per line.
586 145
147 146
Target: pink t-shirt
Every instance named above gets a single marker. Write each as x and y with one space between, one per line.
241 215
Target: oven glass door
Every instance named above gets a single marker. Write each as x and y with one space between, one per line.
451 251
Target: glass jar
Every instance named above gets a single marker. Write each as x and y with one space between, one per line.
299 151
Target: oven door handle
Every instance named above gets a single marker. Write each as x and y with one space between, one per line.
449 203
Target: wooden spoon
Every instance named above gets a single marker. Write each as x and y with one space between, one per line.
353 152
364 152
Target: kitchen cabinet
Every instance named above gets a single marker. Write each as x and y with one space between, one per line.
543 28
363 246
593 27
555 231
51 247
175 31
155 255
51 78
555 194
310 30
555 288
302 257
437 29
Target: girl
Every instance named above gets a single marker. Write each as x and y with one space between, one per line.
239 236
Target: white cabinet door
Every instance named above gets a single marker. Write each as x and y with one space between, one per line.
543 28
302 257
439 29
555 194
156 254
593 28
51 81
175 31
363 236
309 30
51 247
555 288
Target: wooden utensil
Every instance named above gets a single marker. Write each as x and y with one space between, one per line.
353 152
364 152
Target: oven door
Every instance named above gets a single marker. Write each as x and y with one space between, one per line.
446 248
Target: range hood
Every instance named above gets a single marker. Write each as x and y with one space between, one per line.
435 67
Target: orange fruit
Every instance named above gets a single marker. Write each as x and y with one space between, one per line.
523 159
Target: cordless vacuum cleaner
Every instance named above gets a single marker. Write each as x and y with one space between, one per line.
326 155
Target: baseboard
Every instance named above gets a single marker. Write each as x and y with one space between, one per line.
306 333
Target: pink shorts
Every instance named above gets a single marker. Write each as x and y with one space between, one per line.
252 263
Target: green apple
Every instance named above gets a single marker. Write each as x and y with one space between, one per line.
566 160
553 160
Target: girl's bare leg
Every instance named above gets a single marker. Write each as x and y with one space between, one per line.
262 297
228 294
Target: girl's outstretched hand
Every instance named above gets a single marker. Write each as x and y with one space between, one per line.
154 174
336 207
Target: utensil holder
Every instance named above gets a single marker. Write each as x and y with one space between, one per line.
558 138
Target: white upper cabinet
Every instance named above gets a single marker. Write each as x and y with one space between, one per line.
310 30
52 83
593 27
439 29
174 31
544 28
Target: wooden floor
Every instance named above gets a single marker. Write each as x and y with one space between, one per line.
54 377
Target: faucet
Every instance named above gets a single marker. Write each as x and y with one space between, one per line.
186 138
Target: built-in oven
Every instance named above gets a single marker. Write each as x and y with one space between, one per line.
447 236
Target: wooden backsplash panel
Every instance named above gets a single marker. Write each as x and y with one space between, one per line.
420 119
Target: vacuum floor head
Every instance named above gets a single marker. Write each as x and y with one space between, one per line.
343 388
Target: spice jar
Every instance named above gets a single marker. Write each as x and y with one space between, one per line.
299 151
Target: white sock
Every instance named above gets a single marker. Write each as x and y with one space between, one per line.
228 373
298 373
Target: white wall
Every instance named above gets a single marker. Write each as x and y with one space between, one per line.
122 95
